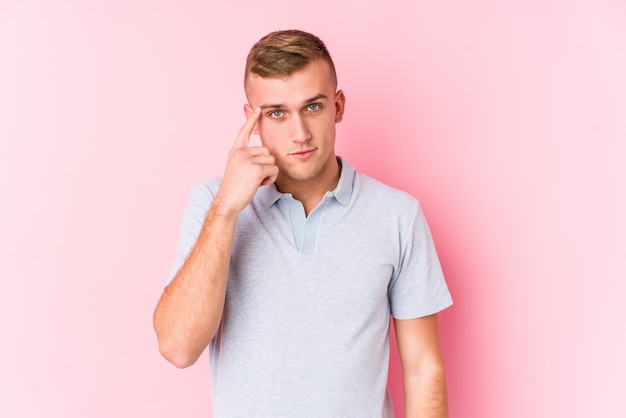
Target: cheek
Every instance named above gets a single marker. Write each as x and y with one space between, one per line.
268 132
326 124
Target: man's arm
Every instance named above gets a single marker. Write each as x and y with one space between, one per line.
190 309
423 373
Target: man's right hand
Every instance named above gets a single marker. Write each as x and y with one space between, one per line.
247 169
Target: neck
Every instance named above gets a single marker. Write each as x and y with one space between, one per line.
311 192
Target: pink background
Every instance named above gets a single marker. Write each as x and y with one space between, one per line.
507 119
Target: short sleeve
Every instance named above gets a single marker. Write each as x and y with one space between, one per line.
200 201
418 287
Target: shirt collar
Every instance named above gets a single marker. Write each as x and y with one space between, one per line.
343 192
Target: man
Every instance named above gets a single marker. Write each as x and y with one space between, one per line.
290 265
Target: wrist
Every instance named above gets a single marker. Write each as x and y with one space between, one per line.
222 209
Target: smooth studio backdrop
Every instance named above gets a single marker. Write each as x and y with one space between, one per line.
507 119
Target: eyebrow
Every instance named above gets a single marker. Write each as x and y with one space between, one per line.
309 101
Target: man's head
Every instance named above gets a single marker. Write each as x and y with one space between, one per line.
291 77
282 53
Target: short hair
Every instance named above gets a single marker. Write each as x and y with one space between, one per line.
282 53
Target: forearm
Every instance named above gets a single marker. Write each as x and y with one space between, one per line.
190 309
425 393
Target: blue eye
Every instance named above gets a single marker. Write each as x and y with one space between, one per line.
314 106
276 114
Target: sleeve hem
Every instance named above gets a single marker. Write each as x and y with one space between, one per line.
414 314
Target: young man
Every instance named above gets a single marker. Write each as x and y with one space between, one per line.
290 265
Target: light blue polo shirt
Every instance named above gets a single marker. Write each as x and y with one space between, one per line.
305 329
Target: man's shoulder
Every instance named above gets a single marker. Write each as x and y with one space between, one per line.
212 184
374 190
206 190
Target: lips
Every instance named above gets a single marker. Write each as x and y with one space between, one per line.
302 154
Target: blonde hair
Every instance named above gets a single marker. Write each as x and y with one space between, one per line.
282 53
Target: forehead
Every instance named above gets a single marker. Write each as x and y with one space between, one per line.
292 90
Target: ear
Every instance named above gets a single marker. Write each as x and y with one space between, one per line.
248 110
340 106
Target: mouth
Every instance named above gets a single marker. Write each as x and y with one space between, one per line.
302 154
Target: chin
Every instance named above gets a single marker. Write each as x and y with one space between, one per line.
301 175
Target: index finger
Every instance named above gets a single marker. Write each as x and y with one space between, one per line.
246 130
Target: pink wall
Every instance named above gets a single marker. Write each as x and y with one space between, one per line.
506 118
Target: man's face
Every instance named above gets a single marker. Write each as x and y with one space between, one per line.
297 123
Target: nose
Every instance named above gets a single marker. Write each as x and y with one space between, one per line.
299 132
